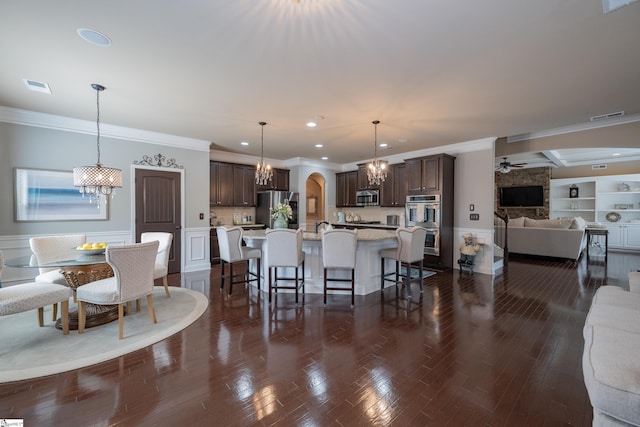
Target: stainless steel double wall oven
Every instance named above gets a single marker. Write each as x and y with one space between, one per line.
424 211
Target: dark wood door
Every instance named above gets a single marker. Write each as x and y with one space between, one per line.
157 195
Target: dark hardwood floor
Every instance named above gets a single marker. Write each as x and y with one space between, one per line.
473 351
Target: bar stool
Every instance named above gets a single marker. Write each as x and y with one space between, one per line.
339 253
409 253
284 249
232 251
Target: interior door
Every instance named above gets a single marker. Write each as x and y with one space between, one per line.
158 201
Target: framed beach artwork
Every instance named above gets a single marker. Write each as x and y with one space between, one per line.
49 195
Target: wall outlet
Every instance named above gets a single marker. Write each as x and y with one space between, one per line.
474 217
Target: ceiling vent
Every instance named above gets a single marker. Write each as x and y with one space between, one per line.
596 167
37 86
607 116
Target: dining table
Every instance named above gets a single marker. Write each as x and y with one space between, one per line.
78 271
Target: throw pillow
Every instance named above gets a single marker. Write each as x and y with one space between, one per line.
516 222
578 223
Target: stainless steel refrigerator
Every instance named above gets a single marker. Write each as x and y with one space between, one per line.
267 200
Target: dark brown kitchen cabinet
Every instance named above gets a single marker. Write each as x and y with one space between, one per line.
279 181
244 185
363 179
346 183
393 191
425 174
214 248
220 184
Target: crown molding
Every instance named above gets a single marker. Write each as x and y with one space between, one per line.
67 124
574 128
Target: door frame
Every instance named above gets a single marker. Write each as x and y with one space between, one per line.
132 185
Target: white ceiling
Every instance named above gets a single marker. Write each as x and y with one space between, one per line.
433 72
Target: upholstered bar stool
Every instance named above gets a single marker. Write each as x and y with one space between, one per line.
409 253
232 251
339 253
284 249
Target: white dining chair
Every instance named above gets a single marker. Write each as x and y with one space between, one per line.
49 249
339 253
161 268
133 278
409 254
284 249
231 252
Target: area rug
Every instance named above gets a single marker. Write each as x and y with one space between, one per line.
415 273
28 351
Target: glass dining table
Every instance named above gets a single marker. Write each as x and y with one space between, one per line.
77 272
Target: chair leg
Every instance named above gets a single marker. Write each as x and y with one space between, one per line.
303 276
65 316
325 286
152 311
130 307
222 262
407 281
41 316
120 321
421 276
259 271
296 282
54 312
165 282
230 278
138 304
270 285
82 316
382 273
353 287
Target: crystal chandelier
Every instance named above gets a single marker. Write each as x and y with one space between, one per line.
263 170
97 180
377 169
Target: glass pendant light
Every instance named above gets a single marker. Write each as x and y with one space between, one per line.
377 169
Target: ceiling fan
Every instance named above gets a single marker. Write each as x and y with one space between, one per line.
505 166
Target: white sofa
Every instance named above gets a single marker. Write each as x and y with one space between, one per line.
610 361
558 238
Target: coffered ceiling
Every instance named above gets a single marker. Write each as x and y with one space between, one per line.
434 73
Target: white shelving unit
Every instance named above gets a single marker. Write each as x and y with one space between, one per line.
612 200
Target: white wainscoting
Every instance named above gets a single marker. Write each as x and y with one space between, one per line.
484 258
195 244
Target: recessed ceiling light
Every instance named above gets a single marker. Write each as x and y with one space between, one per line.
244 143
383 144
325 158
312 124
616 154
318 145
94 37
37 86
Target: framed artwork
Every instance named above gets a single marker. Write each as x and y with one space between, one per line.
573 191
49 195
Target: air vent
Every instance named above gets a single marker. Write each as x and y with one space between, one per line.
607 116
595 167
37 86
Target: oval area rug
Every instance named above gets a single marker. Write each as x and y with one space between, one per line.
29 351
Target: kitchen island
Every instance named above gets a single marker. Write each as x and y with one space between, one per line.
370 243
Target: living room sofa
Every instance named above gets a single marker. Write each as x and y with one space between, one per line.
610 361
558 238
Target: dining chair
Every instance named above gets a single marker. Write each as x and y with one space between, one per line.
161 268
133 278
339 253
232 251
284 249
409 253
51 249
31 296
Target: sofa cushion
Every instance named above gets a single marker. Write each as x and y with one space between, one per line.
634 282
578 223
516 222
548 223
611 370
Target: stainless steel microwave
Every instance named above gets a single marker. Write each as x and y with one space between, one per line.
368 198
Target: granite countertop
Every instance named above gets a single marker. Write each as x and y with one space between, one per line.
363 225
246 226
363 235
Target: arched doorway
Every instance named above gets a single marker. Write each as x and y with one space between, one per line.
315 203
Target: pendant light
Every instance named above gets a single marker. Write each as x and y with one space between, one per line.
263 170
377 169
97 180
